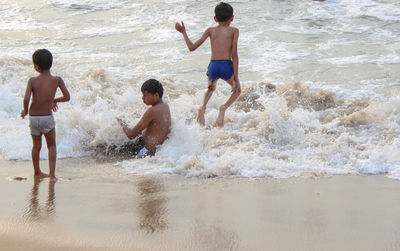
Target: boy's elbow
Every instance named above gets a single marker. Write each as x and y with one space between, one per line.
192 47
130 135
133 133
68 96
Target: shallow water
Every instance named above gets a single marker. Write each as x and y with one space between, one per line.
335 65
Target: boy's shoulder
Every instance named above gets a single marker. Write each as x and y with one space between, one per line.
58 79
229 28
33 79
234 29
161 107
51 79
156 110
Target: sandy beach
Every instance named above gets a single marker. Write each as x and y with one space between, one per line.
97 206
308 158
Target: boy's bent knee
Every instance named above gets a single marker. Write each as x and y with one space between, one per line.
211 87
237 91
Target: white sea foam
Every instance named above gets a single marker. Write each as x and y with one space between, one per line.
290 131
13 17
87 5
281 142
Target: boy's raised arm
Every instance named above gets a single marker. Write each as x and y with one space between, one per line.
191 46
27 98
140 126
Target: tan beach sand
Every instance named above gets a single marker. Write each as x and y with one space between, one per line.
96 206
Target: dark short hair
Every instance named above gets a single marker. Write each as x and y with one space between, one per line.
223 12
43 59
153 86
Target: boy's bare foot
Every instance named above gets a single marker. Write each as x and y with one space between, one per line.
221 116
53 179
41 175
200 116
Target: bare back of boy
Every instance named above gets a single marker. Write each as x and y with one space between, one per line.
221 39
158 127
44 88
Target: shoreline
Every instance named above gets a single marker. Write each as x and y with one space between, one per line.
96 206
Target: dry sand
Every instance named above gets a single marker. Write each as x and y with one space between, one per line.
96 206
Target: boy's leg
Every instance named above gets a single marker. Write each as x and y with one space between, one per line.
37 145
235 94
207 96
51 146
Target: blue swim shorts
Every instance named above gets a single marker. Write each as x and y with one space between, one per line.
220 69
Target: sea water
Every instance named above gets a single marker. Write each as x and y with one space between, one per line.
320 84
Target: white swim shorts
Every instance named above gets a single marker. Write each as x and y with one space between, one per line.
41 124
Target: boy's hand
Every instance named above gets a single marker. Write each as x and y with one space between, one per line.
180 27
54 107
23 113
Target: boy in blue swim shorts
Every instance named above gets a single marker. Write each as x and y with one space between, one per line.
224 58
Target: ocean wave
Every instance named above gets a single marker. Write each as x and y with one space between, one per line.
87 6
274 130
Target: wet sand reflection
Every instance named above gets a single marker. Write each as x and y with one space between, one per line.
152 209
36 212
213 237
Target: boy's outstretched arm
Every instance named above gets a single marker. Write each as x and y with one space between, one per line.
140 126
192 46
27 98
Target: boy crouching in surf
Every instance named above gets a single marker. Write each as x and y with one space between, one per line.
155 122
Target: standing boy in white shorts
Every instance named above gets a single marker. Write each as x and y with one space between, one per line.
43 90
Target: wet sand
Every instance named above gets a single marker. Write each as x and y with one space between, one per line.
96 206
